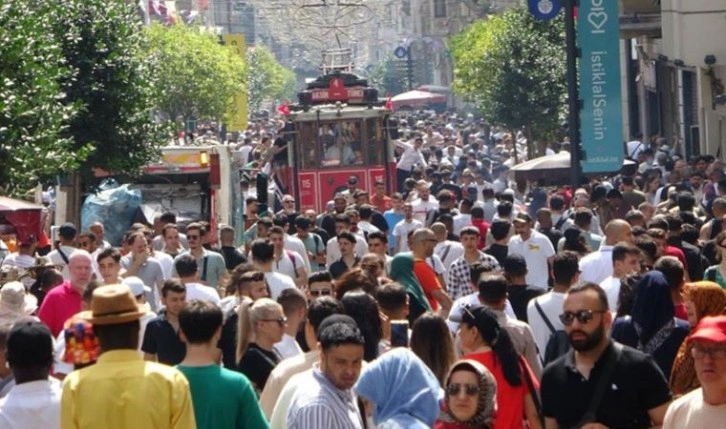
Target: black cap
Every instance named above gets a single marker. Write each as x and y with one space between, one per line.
335 319
514 263
68 231
30 344
522 217
352 180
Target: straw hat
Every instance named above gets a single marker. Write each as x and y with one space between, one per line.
112 305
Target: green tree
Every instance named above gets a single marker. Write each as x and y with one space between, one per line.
268 80
389 77
198 77
513 68
33 107
102 42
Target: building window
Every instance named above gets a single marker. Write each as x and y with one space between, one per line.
439 8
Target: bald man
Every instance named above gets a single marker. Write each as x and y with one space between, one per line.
598 266
64 301
423 242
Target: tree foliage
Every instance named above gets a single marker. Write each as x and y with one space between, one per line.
389 76
102 42
198 77
268 80
33 108
513 68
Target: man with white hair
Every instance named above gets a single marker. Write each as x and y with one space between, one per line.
65 300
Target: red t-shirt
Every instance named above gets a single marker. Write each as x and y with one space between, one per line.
510 399
483 227
428 280
678 253
681 311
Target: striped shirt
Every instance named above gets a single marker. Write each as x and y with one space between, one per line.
319 404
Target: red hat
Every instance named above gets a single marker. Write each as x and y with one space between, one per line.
710 329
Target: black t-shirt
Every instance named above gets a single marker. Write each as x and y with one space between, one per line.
499 251
282 155
328 224
232 257
519 297
257 364
161 339
339 267
379 221
451 187
636 386
228 340
553 234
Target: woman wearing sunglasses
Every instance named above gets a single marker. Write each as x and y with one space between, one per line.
702 299
652 326
261 324
717 273
470 398
485 341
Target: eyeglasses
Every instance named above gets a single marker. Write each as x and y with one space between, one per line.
192 237
469 389
321 292
282 321
582 316
712 352
370 266
288 201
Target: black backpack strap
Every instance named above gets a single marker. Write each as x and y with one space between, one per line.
544 317
446 252
204 270
602 384
561 221
63 256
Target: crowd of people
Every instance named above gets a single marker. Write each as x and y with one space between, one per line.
467 299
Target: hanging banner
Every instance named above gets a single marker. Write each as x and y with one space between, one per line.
601 118
544 10
238 118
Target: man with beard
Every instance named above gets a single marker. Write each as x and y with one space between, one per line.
600 383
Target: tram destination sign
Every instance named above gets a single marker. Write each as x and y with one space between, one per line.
337 91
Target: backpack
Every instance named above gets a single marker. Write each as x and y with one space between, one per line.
558 343
292 259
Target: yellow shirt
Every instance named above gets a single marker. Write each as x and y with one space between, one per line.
122 391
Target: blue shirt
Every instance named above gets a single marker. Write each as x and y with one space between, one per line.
392 219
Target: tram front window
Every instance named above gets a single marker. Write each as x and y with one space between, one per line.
341 143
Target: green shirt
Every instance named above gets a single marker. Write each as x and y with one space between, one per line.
223 399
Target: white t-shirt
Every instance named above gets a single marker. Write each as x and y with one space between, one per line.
201 292
690 411
286 266
611 286
597 266
448 251
551 304
166 262
536 250
402 229
277 283
296 245
460 221
287 347
332 250
634 148
421 208
57 259
436 264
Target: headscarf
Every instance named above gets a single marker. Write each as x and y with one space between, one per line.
653 312
403 388
487 405
709 299
402 272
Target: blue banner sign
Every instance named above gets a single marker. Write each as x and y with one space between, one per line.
601 118
544 10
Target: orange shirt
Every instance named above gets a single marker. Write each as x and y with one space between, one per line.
428 280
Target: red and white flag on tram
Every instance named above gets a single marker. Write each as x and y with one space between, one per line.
284 109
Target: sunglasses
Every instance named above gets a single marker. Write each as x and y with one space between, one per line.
321 292
192 237
282 321
469 389
582 316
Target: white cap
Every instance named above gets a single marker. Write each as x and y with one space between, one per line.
136 285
